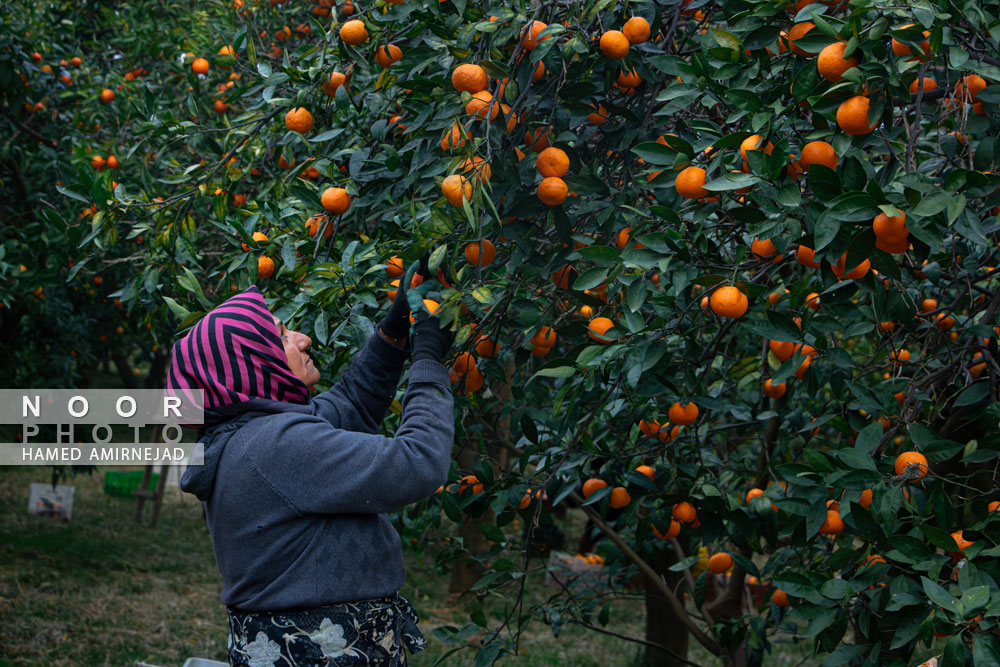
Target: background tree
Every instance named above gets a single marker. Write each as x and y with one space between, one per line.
723 274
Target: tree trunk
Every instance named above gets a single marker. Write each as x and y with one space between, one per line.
465 573
662 625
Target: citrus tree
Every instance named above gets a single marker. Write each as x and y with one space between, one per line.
723 277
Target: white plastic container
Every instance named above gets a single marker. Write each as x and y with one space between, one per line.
43 500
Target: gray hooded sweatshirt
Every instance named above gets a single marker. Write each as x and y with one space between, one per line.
296 494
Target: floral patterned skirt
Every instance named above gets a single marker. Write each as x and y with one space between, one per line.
368 632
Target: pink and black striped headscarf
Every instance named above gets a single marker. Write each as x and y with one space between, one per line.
234 354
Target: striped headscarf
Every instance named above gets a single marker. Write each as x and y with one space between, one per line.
234 354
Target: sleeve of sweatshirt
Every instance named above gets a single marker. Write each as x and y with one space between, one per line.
358 402
320 469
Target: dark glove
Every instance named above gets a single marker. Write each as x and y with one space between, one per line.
397 323
430 341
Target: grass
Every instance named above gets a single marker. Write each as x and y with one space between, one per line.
103 590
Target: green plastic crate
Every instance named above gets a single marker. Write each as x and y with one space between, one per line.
125 483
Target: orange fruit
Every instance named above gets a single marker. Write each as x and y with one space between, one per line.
901 49
783 350
462 363
622 242
597 327
685 512
113 162
97 162
469 78
967 88
832 64
636 30
531 32
806 257
763 248
354 32
592 485
470 482
552 191
538 139
779 598
993 506
858 272
480 253
927 305
455 188
647 471
683 415
479 167
720 562
511 121
265 267
890 229
929 85
866 498
394 267
552 162
314 223
774 390
259 237
333 82
388 55
672 532
544 337
482 104
630 79
689 183
729 301
619 498
486 347
852 116
76 61
599 116
227 51
818 152
900 357
754 493
199 66
754 142
298 119
452 138
107 95
912 461
561 277
614 44
775 296
335 200
833 525
962 543
796 31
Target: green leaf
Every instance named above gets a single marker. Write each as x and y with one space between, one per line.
731 181
434 261
974 600
726 40
858 458
939 596
177 309
869 437
320 327
590 278
972 394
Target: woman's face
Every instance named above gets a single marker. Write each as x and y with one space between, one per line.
296 345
